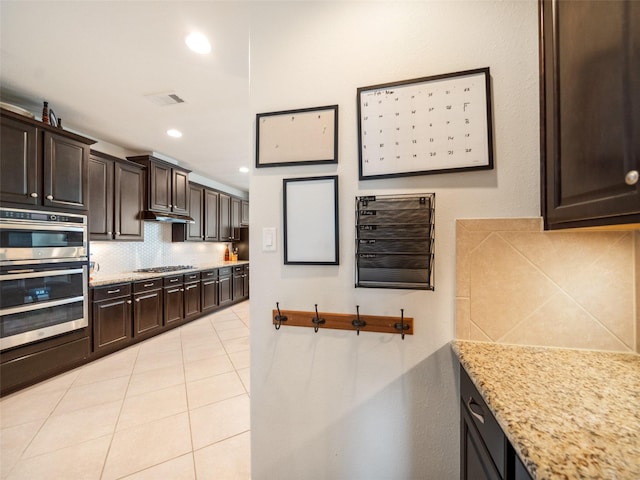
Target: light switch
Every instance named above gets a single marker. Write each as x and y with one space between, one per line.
269 239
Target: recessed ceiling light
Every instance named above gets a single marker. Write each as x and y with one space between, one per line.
174 133
198 43
243 170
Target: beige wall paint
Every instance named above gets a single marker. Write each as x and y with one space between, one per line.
516 283
333 405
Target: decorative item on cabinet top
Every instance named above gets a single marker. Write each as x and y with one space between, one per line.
343 321
395 241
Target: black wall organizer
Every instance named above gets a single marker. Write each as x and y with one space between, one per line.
395 240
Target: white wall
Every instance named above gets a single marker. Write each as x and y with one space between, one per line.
334 405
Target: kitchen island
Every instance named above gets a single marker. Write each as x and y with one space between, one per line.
567 413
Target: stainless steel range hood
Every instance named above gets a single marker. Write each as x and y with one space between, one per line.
149 216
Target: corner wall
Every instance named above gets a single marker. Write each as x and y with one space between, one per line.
333 405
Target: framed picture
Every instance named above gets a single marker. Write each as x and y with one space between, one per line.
426 125
53 120
311 234
307 136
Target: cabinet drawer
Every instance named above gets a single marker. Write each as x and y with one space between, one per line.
111 291
146 285
209 274
238 270
225 271
484 421
192 277
172 280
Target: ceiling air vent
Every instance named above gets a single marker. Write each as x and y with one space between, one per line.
164 99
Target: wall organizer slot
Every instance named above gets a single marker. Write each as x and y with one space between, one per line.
395 241
344 321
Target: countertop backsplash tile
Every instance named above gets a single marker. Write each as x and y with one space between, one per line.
156 250
517 283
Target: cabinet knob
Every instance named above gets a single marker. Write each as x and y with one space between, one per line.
129 302
631 178
49 197
117 233
109 233
34 195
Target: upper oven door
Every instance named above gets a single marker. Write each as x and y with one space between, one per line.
29 241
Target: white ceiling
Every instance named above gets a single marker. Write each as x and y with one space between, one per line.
96 61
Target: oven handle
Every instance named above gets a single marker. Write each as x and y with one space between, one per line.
40 305
65 227
33 273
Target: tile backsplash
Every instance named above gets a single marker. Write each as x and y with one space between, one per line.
156 250
516 283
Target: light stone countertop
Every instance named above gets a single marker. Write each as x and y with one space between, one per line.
569 414
99 280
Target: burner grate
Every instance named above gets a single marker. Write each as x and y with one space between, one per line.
169 268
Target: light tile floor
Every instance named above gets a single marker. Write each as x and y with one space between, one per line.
175 407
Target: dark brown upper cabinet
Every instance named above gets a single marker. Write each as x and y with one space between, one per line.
42 166
244 220
167 185
116 198
590 113
211 211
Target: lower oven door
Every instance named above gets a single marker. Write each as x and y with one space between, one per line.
41 301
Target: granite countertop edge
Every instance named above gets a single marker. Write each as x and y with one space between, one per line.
568 413
127 277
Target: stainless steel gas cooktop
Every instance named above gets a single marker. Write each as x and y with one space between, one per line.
169 268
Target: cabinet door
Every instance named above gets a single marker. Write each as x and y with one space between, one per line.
173 305
20 163
211 200
475 461
591 113
224 218
179 195
195 231
245 292
244 220
100 198
147 313
209 290
238 286
160 179
236 217
192 305
129 202
225 289
66 165
111 323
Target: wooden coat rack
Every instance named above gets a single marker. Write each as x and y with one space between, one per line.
343 321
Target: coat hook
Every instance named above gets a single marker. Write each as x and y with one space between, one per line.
401 325
357 322
279 318
317 321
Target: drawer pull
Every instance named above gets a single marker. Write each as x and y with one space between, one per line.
209 283
479 415
191 286
173 280
148 284
113 291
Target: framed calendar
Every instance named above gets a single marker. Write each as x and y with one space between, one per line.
426 125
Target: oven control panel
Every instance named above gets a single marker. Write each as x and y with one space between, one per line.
37 216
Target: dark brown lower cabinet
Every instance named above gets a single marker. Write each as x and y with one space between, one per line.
209 290
225 286
173 305
192 296
111 317
147 308
485 452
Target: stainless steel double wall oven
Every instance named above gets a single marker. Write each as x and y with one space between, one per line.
43 275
